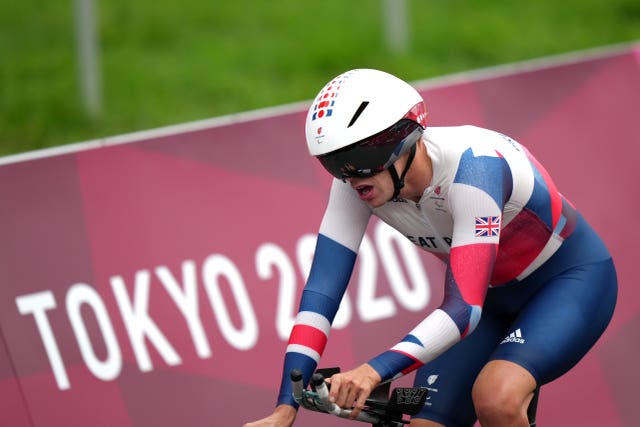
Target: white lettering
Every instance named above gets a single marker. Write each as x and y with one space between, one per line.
82 294
186 299
214 267
138 323
37 304
408 282
270 257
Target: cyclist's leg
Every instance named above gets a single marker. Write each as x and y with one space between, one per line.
502 393
551 334
450 377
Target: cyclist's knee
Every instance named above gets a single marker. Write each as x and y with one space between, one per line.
501 394
497 407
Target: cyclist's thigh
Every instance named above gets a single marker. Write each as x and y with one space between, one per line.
562 321
450 377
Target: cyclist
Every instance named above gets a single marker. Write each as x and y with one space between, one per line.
529 286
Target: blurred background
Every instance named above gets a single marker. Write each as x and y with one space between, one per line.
152 63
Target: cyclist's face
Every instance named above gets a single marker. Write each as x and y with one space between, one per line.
375 190
378 189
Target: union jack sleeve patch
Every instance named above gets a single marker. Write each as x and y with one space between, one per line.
488 226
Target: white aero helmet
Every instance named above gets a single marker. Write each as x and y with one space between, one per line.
362 121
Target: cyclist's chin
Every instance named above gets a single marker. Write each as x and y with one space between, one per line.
370 194
379 200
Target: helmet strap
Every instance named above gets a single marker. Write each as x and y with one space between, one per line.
398 181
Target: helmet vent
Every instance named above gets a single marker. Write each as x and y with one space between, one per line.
358 112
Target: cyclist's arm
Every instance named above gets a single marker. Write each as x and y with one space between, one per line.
480 189
341 231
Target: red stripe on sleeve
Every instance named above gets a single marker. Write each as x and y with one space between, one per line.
308 336
415 365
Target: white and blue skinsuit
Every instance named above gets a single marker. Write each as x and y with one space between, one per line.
519 258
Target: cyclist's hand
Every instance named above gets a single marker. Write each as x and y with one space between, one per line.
351 389
283 416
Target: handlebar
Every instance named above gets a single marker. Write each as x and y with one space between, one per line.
381 409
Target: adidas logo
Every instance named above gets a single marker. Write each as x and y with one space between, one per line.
515 336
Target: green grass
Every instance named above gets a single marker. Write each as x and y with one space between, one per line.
167 62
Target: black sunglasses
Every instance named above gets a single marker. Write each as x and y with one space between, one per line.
373 155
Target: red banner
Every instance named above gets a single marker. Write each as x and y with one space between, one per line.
154 281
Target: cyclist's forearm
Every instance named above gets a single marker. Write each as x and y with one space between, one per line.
432 337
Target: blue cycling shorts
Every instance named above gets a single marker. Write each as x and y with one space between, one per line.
545 323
